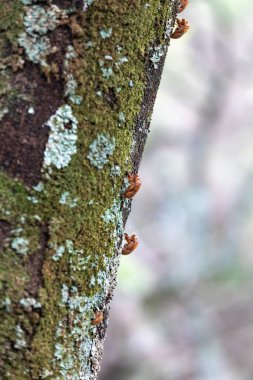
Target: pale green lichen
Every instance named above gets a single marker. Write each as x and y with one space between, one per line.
20 245
100 150
61 145
36 48
38 21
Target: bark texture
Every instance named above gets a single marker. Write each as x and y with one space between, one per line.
78 80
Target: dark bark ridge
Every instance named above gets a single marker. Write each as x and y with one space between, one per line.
79 118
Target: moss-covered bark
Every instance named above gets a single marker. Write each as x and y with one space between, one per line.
78 81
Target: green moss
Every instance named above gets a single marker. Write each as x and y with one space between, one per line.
81 252
11 14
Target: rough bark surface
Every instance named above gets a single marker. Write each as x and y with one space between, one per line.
78 80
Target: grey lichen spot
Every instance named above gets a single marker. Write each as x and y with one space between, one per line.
46 373
106 71
89 44
29 2
64 294
61 145
66 199
86 4
3 112
59 252
29 302
33 199
115 171
158 53
39 187
20 245
70 90
112 214
70 82
122 118
120 61
6 303
168 28
20 341
100 150
106 33
37 217
31 111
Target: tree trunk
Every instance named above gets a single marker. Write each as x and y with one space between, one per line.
78 84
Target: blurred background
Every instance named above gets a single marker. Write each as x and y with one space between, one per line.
183 307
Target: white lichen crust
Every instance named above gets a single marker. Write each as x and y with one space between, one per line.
38 21
61 145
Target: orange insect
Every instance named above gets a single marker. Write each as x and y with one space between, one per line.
182 27
131 244
134 185
182 5
99 316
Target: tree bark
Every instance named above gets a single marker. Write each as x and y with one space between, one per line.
78 84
